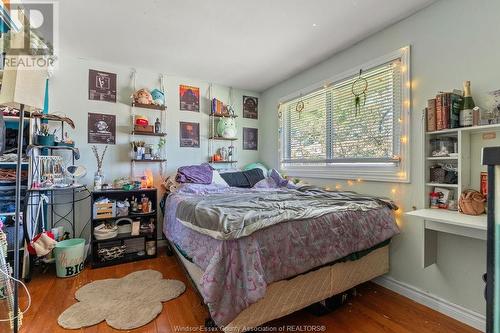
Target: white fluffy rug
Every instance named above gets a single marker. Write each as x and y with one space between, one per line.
125 303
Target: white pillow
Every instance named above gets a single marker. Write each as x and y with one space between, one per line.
218 180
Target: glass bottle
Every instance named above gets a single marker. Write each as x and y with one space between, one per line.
466 114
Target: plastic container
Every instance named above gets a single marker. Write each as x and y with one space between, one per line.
70 257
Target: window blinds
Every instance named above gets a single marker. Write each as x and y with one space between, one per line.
329 129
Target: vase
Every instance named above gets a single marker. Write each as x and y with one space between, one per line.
98 179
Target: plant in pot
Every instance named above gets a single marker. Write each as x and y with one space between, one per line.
44 137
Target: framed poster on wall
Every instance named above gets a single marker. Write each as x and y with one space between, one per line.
250 138
189 134
102 86
101 128
189 98
250 107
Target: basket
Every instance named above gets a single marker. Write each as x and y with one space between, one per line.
437 174
111 253
104 210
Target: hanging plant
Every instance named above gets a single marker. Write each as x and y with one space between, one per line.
358 89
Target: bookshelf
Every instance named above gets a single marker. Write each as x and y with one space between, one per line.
443 220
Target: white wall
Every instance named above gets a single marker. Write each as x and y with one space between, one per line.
68 95
452 41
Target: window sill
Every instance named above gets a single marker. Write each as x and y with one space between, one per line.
390 174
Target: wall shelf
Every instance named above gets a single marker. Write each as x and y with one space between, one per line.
471 129
222 138
226 115
442 185
222 162
146 161
149 106
442 158
148 133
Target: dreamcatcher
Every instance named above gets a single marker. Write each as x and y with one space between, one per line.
300 106
358 89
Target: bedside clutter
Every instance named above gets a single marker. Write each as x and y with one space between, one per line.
124 225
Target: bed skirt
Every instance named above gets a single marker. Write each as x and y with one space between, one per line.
287 296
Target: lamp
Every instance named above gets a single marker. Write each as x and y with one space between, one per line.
23 84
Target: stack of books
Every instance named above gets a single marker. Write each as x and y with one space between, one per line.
443 112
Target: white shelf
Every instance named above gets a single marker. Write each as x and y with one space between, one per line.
441 158
471 129
446 221
442 185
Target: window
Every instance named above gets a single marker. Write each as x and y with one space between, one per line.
324 134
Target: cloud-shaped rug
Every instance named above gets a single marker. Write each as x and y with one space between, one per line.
125 303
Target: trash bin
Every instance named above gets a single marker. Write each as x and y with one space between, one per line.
70 257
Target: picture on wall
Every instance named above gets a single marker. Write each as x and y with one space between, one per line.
102 128
189 134
102 86
190 98
250 138
250 107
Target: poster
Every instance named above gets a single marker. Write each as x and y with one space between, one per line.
189 134
102 128
189 98
250 107
250 138
102 86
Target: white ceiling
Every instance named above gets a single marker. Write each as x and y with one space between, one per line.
250 44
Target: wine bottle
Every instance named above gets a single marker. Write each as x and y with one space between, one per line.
466 114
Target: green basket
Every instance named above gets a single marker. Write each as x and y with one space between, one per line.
70 257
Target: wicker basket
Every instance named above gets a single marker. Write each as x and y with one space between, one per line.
437 174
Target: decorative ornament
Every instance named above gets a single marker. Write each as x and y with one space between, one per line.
358 89
299 107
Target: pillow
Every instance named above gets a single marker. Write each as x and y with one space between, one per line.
266 183
245 179
218 180
197 174
257 165
280 181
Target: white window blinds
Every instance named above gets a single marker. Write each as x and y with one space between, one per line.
326 127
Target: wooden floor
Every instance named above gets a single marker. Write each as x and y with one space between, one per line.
375 309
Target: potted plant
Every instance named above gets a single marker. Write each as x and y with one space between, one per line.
44 137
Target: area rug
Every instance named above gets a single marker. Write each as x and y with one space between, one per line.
125 303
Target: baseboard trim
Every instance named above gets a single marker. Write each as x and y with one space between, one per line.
471 318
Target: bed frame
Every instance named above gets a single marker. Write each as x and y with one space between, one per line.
287 296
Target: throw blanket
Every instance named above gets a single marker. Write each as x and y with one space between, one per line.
226 217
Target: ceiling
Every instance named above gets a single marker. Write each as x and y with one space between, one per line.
251 44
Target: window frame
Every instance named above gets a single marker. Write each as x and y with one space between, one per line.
383 172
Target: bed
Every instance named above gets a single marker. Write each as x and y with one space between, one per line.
255 255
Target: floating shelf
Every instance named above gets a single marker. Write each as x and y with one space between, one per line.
222 138
225 115
442 185
221 162
148 133
148 161
149 106
471 129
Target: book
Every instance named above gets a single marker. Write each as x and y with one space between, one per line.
456 105
431 115
445 98
439 112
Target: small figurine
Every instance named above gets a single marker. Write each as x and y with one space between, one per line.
142 96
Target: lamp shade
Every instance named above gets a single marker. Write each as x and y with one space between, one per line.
23 82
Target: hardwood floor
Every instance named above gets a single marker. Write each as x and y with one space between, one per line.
375 309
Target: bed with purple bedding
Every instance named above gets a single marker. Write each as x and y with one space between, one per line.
243 242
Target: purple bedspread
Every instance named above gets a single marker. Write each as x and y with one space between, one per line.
236 272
